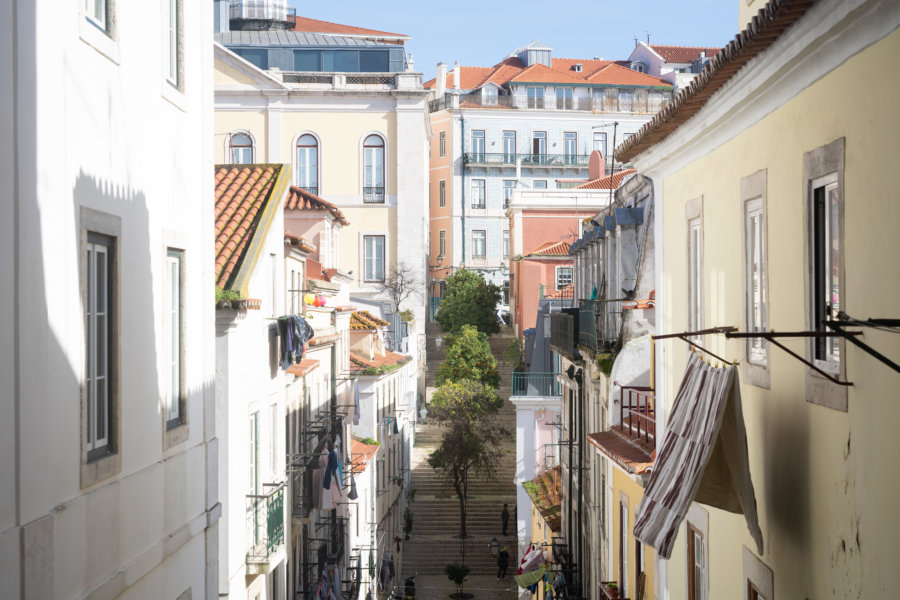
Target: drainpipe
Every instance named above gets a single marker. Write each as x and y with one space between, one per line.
462 145
581 438
569 538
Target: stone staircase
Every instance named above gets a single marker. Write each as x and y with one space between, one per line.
434 542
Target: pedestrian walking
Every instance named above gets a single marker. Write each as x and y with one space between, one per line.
504 516
502 563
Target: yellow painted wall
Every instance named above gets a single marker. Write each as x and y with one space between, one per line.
826 482
622 483
540 532
227 122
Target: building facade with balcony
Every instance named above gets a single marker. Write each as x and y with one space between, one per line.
108 440
773 225
529 122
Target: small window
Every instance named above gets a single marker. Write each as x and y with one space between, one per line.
442 243
442 193
308 163
696 563
374 257
600 142
506 244
254 456
442 143
173 42
539 184
174 344
479 243
240 148
97 12
509 186
478 193
564 276
827 250
100 341
756 316
695 274
373 186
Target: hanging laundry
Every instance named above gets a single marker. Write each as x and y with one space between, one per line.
302 334
396 431
356 401
286 333
371 570
352 494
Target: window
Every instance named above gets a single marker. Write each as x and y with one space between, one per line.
258 57
478 145
273 438
240 148
442 243
695 274
97 12
539 184
505 251
638 66
509 146
623 546
442 193
535 97
478 193
509 186
173 42
99 331
754 249
600 142
479 243
254 454
442 143
174 349
564 276
538 146
564 98
626 100
308 163
625 136
374 257
826 259
570 146
696 563
758 577
373 166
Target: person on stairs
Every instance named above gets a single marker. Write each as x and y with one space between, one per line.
504 516
502 563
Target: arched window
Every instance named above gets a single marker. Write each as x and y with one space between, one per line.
308 163
240 147
373 176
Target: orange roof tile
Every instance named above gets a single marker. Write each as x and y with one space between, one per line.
649 302
470 78
304 367
539 73
562 293
242 192
544 491
363 319
315 26
300 199
362 453
682 54
615 74
358 363
603 183
298 241
629 456
560 248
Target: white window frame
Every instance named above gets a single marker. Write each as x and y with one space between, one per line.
97 12
755 264
566 97
757 574
230 148
366 259
478 142
600 136
442 192
173 327
508 187
100 257
173 43
570 145
442 243
442 143
509 145
539 135
697 519
479 194
694 246
370 169
828 359
315 170
483 238
559 271
535 97
504 253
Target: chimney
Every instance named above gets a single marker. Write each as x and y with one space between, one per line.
596 166
456 77
440 84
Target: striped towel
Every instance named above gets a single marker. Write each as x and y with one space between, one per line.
690 466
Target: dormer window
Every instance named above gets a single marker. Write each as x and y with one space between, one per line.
638 66
577 67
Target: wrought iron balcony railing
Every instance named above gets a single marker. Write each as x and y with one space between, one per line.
527 160
564 331
265 523
535 384
312 189
638 415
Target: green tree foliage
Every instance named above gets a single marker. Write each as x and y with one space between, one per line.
468 356
469 301
463 400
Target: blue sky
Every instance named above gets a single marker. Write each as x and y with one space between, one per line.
482 32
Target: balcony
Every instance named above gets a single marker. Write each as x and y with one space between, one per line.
547 161
535 384
265 524
598 324
373 195
564 332
630 442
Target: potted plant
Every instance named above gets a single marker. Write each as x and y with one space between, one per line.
457 574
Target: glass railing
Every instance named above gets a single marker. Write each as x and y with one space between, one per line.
535 384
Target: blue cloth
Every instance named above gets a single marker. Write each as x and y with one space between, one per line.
330 470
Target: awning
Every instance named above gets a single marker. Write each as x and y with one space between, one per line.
703 458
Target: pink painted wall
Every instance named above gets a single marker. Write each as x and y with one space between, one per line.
543 440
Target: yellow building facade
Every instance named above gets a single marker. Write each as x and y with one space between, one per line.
777 211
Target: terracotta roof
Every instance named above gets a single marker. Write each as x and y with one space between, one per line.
682 54
649 302
304 367
363 454
315 26
358 363
562 293
296 240
766 27
300 199
603 183
633 459
560 248
242 192
316 272
363 319
544 493
512 69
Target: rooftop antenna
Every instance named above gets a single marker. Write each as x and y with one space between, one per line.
648 37
635 41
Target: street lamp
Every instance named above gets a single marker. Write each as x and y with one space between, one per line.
495 548
438 341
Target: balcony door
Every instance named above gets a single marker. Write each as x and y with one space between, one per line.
538 146
509 146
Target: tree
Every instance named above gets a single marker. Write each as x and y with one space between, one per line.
468 356
469 301
400 284
466 411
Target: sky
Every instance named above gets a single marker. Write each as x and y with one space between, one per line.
482 33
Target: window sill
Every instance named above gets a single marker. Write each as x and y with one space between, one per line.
824 392
176 432
98 39
100 468
175 96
